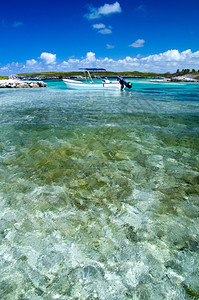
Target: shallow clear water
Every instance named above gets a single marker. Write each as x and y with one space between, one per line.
99 192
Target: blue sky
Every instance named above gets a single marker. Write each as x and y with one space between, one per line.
62 35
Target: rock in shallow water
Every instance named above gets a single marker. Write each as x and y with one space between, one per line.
15 83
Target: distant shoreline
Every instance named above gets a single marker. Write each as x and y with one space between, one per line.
80 74
187 77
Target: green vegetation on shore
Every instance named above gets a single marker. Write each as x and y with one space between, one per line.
75 74
60 75
185 72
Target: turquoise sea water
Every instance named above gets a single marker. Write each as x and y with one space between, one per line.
99 192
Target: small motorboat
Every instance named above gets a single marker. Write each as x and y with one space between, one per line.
90 84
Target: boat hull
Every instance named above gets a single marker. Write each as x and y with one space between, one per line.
79 85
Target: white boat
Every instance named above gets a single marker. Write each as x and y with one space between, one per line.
90 84
104 85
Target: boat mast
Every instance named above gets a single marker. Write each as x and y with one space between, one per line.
89 75
88 70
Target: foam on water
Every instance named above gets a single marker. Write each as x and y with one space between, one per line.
99 193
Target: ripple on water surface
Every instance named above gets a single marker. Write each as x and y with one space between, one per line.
99 194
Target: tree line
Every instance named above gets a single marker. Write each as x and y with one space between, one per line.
186 71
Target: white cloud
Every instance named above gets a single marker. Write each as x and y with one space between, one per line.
90 57
171 56
105 31
170 60
6 68
102 28
162 62
49 58
108 9
105 10
99 26
138 44
31 62
108 46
